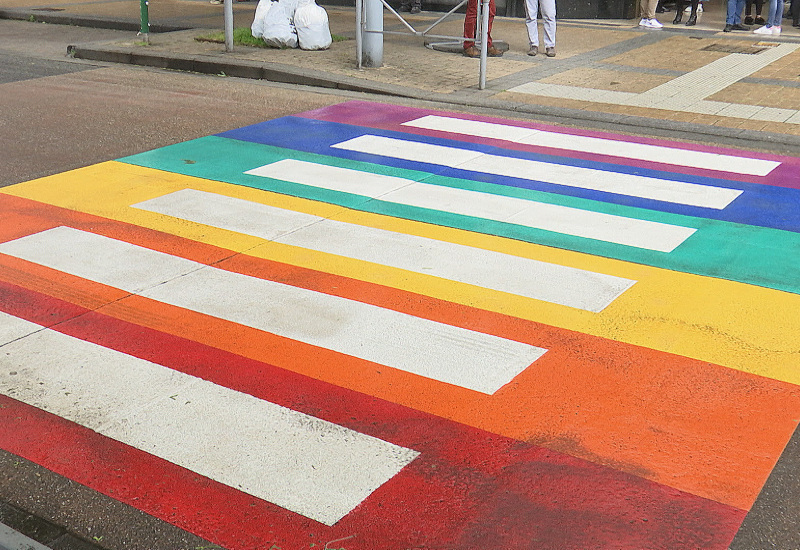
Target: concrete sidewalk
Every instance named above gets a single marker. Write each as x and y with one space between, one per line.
694 79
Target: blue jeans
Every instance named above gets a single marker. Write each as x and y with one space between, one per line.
775 13
735 9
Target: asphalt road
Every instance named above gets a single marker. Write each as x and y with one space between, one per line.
60 114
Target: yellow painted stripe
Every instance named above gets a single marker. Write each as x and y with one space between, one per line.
745 327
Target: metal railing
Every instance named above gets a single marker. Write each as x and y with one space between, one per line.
362 21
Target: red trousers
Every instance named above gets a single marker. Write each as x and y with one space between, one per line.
471 19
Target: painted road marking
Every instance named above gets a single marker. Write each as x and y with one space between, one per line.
719 248
710 458
624 417
677 192
595 145
534 279
309 466
676 303
360 115
473 360
421 503
538 215
688 92
774 203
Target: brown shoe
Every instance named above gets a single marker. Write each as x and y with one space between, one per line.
494 52
534 50
550 52
472 51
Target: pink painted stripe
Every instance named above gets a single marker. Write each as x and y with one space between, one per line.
392 117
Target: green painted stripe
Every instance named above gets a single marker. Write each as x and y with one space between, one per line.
744 253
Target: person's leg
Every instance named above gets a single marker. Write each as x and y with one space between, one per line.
773 25
678 12
777 16
548 8
492 11
771 16
730 15
531 14
648 8
759 20
693 17
470 18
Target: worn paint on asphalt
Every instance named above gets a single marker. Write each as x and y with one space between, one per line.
481 376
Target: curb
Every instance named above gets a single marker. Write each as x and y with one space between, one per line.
205 64
14 540
83 20
20 530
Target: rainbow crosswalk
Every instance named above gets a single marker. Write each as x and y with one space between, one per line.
423 329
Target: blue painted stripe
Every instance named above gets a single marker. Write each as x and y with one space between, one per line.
759 205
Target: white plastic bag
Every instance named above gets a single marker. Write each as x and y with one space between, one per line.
288 7
278 28
311 22
257 28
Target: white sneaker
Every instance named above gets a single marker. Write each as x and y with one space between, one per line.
643 22
763 30
653 24
776 30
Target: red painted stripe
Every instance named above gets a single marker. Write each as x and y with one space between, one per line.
468 489
391 117
605 401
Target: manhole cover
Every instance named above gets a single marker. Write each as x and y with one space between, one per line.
725 48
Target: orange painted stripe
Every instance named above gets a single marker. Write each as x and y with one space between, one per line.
698 427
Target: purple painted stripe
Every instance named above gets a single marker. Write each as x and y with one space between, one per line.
392 117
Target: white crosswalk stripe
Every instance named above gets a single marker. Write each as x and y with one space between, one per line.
485 268
537 215
473 360
600 146
310 466
678 192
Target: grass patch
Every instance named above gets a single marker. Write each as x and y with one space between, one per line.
243 37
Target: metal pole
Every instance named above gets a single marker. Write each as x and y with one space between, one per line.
484 43
373 34
359 30
228 14
145 28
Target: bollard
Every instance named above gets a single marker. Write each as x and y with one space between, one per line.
228 14
484 22
372 41
144 31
